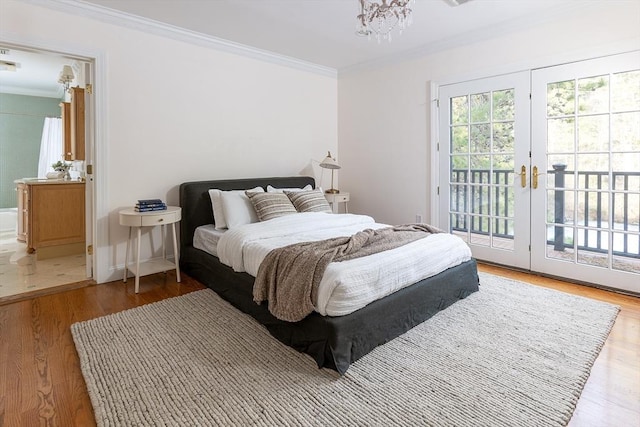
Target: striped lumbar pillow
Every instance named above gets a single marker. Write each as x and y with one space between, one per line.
270 205
309 201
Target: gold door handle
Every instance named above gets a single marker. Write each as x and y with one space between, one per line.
523 176
534 179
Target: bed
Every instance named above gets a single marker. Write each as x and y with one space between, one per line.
332 341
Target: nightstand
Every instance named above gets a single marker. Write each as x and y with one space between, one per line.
335 199
131 218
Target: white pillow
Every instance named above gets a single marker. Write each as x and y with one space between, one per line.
271 189
238 209
216 203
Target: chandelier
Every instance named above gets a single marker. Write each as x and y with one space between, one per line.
382 16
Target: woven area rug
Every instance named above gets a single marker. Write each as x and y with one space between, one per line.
510 354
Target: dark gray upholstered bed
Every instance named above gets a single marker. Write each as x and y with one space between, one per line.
333 342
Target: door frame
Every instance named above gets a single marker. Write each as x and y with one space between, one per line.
97 184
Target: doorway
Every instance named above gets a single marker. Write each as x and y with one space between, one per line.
540 169
35 81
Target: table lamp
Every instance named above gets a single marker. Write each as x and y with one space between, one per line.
330 163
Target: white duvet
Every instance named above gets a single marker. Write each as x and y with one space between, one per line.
348 285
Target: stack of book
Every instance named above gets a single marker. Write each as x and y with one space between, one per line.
150 205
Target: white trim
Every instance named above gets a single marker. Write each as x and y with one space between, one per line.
102 249
434 212
101 203
111 16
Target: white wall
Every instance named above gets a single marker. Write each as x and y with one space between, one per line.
177 112
384 114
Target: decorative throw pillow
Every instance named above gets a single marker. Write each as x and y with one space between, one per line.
271 189
271 205
233 208
309 201
216 205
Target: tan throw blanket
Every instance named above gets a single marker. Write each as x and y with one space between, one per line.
288 277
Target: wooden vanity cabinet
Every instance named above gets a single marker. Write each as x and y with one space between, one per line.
55 223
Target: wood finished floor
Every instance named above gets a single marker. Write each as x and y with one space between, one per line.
41 383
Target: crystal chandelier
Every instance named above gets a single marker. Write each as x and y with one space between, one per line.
382 16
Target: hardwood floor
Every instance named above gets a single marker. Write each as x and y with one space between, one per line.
41 382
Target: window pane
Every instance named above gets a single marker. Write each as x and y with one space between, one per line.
480 230
560 207
560 135
480 108
502 203
458 225
480 200
593 95
459 165
480 165
593 162
503 163
458 196
480 138
593 133
459 110
460 139
625 132
559 176
503 137
561 98
596 240
560 243
626 264
625 91
626 211
504 105
628 162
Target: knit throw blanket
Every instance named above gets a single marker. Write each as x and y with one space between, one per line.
288 277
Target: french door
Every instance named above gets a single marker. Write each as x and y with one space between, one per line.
586 140
541 169
484 158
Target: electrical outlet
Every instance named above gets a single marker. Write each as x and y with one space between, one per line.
418 218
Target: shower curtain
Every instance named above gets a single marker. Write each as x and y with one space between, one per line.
50 146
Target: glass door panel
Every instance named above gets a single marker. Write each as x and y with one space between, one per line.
484 126
586 141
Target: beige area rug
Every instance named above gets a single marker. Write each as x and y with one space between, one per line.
511 354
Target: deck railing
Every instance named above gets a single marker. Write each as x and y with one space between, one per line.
591 185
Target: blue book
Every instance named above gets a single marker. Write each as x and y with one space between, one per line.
150 205
149 201
158 208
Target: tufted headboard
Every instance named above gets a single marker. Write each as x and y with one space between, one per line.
196 203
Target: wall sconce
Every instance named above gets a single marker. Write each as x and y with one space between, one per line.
66 77
330 163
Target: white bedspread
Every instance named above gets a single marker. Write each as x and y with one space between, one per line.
349 285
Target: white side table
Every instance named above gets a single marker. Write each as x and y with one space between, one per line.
131 218
335 199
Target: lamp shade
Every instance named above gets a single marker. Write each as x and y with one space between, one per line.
66 75
329 162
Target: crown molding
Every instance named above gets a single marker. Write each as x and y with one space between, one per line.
111 16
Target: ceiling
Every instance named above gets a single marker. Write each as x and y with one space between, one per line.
36 73
322 32
318 32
